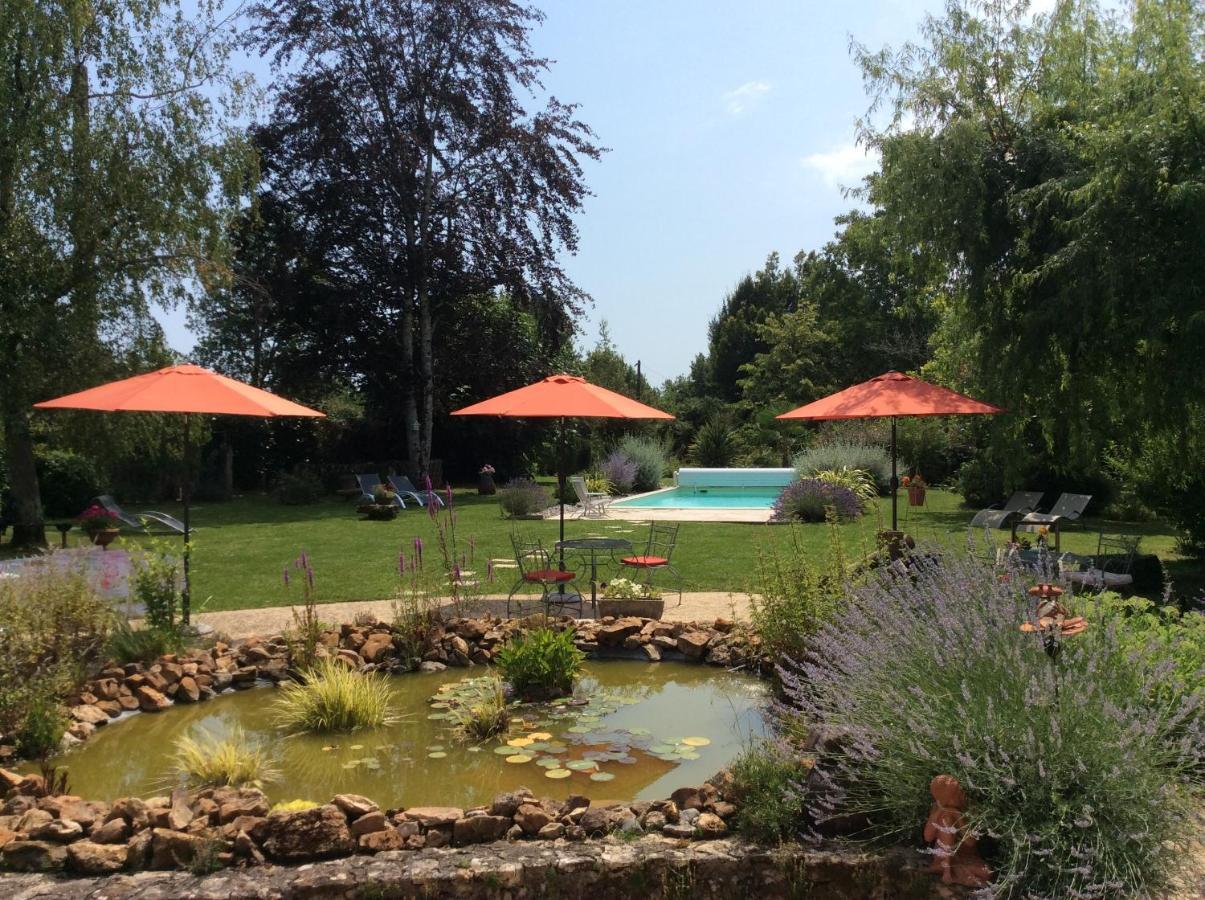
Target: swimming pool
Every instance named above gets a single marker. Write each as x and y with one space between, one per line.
685 497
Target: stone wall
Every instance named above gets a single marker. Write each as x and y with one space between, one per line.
612 869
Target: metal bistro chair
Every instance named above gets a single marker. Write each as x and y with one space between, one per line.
657 556
537 567
1110 568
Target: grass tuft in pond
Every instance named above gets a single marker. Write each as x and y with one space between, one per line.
333 698
485 717
211 761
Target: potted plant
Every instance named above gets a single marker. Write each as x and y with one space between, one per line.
623 597
384 505
101 526
915 486
485 480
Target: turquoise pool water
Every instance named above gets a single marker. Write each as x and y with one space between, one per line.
706 498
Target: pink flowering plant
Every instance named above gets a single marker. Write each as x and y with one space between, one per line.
1084 769
97 518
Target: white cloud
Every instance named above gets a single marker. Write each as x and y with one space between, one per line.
741 100
843 166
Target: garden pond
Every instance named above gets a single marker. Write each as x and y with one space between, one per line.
632 731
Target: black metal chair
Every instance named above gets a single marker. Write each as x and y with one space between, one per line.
537 568
1111 567
657 556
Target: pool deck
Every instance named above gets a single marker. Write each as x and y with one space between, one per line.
683 514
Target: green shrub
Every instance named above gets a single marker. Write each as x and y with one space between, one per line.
53 626
981 483
650 459
67 482
155 583
794 596
485 716
415 619
211 761
44 723
1085 769
334 698
523 497
715 445
597 483
857 480
541 664
298 488
144 645
769 809
869 458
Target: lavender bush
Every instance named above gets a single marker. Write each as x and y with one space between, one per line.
620 471
524 497
809 499
1080 784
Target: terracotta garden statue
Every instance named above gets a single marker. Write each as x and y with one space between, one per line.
954 853
1051 613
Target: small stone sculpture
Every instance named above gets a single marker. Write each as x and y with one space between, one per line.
954 853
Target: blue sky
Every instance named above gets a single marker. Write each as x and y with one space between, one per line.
731 128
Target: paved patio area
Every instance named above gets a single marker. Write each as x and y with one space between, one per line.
702 606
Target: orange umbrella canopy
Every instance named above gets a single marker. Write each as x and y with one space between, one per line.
181 389
892 394
563 396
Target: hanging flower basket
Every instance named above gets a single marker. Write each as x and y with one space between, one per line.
916 489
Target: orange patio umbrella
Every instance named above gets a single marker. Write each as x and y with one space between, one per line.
892 394
191 390
563 397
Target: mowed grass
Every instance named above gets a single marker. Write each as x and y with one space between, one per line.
241 548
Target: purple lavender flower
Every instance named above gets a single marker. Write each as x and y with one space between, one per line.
286 575
809 499
401 562
620 471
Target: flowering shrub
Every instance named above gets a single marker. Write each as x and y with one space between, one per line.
97 518
1079 784
809 499
487 469
870 458
626 589
523 497
383 495
620 471
858 481
650 459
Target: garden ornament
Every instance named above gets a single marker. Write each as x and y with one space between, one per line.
954 853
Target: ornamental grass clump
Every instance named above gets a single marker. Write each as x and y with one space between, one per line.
522 497
211 761
485 717
1084 773
810 499
333 698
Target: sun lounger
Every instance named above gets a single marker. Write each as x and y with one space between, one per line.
1018 505
404 486
143 521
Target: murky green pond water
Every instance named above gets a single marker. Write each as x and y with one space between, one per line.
638 731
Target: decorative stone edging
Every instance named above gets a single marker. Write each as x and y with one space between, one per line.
222 827
601 870
203 674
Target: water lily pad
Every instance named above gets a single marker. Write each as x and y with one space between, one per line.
579 729
439 716
557 773
536 746
437 754
639 731
356 747
505 751
696 741
548 762
519 759
370 764
625 760
687 754
519 742
659 749
440 705
540 736
602 776
581 765
556 748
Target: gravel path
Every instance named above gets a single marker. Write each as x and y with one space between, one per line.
703 606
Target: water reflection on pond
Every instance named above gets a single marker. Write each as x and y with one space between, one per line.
648 729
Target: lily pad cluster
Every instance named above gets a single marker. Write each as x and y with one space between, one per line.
587 744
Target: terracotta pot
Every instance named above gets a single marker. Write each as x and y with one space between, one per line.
485 484
104 537
916 495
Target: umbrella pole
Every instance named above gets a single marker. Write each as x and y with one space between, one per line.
560 490
186 595
895 482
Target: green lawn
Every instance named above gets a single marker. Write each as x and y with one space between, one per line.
242 547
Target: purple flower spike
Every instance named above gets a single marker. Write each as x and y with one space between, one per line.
286 574
401 562
309 576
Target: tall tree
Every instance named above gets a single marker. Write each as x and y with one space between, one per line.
401 126
112 165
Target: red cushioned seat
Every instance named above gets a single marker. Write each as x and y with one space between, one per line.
549 575
645 562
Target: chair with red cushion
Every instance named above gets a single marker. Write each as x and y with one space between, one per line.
657 556
536 567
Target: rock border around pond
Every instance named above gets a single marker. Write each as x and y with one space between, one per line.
202 674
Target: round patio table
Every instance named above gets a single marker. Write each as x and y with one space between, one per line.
595 546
